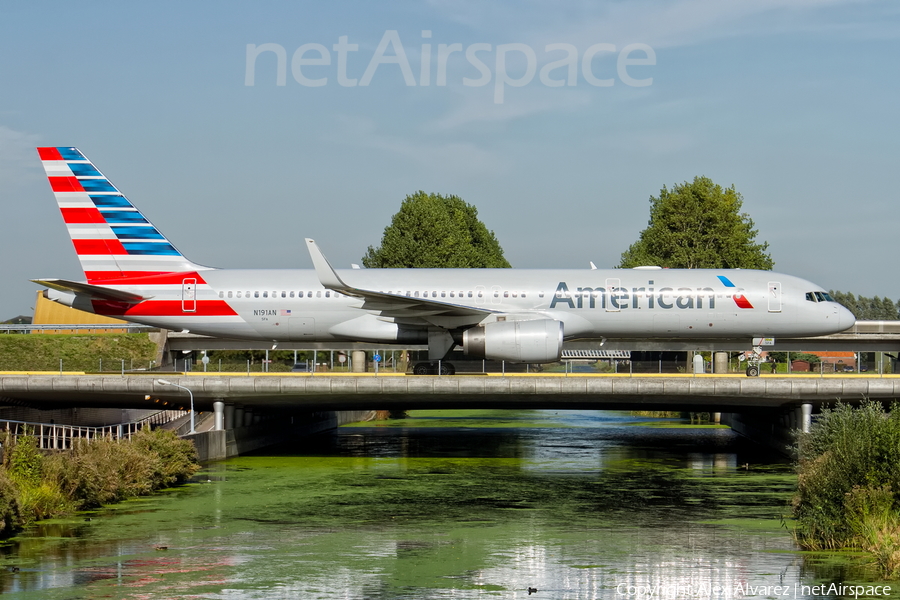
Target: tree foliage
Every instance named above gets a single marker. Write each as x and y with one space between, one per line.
433 231
698 225
868 309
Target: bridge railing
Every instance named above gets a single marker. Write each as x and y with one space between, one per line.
57 436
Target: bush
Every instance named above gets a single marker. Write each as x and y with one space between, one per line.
10 515
849 465
35 486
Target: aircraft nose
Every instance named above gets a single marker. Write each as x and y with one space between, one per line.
846 319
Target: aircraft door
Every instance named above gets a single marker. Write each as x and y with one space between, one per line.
189 295
301 328
612 288
774 296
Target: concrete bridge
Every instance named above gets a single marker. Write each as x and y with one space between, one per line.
268 392
251 411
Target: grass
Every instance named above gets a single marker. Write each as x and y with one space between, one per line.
78 352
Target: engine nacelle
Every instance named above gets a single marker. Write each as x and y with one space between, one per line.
537 341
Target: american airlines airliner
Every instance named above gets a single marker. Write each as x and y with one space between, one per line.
134 273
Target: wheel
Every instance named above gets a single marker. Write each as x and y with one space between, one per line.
422 369
447 369
752 371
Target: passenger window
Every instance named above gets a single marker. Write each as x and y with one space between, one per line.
328 294
221 294
505 295
319 294
238 294
284 294
292 294
229 294
443 294
470 294
256 294
434 294
452 295
265 294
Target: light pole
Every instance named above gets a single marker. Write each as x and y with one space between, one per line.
190 393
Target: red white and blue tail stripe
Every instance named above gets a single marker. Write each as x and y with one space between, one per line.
112 238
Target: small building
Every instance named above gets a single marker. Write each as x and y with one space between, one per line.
48 312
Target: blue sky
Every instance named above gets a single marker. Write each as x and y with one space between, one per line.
795 102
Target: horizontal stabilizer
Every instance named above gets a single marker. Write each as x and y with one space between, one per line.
94 291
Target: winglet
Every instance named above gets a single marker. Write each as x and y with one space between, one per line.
326 273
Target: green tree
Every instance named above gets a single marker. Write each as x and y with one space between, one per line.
433 231
868 309
698 225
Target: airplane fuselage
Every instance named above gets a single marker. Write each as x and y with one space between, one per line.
292 305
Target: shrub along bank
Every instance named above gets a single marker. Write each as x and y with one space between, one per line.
35 484
78 352
849 476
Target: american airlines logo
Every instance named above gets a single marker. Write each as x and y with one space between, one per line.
648 297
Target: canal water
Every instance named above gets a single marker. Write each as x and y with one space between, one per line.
478 504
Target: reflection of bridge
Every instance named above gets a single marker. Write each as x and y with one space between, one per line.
368 391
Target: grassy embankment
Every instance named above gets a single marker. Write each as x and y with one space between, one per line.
849 475
78 352
36 485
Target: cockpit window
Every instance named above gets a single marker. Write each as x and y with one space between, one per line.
819 297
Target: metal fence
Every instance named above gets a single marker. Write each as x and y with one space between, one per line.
56 436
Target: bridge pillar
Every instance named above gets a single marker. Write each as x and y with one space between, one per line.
805 417
698 364
720 362
248 417
238 416
359 361
229 416
219 411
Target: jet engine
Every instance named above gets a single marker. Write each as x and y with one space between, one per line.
535 341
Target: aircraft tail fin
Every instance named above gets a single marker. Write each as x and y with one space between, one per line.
111 237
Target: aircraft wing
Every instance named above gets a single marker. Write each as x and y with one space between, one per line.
94 291
390 305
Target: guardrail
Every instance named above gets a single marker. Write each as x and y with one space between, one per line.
56 436
131 327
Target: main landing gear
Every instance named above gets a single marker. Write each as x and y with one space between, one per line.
431 368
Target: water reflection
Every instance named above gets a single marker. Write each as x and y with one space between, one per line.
578 505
